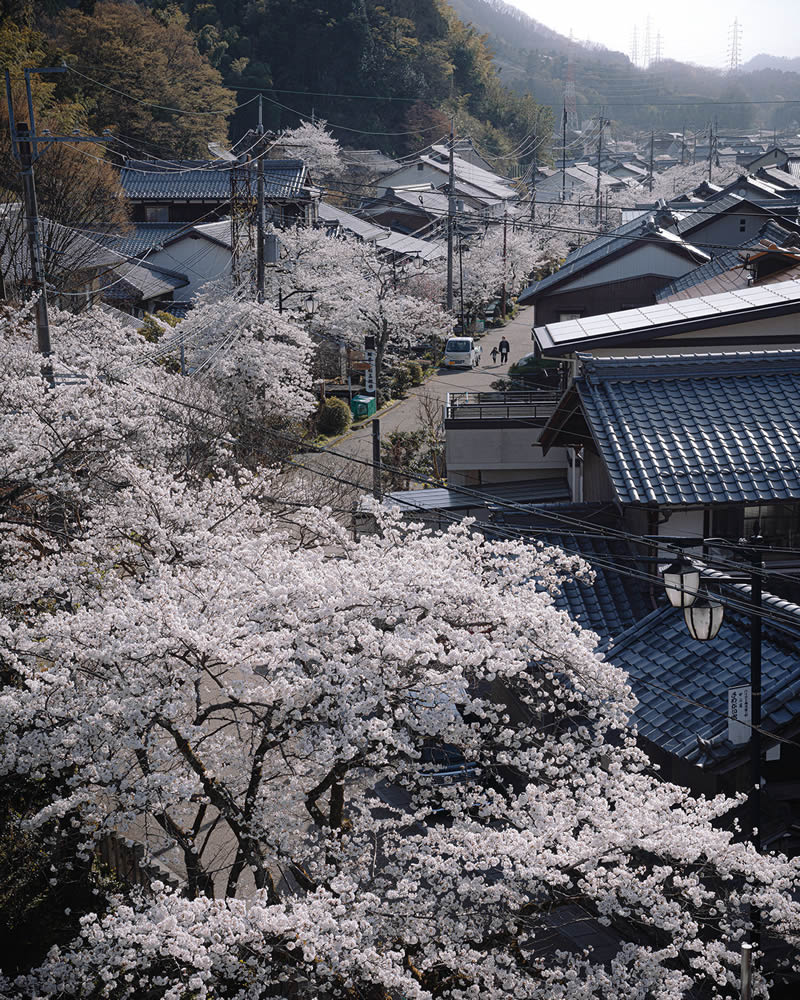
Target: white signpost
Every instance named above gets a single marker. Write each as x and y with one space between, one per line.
739 714
369 376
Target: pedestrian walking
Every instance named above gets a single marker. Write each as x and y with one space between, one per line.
505 347
494 355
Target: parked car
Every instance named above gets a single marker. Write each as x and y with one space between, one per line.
461 352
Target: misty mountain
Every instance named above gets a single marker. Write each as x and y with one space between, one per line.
764 61
533 58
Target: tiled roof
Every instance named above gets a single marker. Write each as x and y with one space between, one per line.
682 685
218 231
145 236
683 287
476 177
410 246
666 318
65 251
129 280
721 428
146 181
615 599
360 227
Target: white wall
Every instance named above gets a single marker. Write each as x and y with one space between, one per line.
647 259
198 258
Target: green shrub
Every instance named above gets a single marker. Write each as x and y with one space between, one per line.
334 416
401 382
414 369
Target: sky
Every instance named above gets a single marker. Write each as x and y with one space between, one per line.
691 30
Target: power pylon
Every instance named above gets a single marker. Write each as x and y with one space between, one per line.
635 46
647 44
735 46
570 98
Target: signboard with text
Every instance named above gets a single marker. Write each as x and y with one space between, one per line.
369 376
739 713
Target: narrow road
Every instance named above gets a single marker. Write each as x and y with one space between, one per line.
405 415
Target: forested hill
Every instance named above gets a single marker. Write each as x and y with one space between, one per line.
383 73
533 59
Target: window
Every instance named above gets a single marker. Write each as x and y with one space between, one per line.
156 213
563 317
778 523
420 166
742 225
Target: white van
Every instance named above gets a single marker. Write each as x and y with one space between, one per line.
461 352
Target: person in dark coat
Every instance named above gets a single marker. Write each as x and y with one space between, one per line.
505 347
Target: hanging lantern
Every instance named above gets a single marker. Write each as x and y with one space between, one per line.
704 618
682 582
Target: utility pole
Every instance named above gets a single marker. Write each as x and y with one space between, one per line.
24 139
564 154
25 148
376 458
451 207
710 147
461 280
597 210
652 156
505 236
683 144
260 204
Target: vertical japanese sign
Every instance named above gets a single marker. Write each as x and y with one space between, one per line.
739 713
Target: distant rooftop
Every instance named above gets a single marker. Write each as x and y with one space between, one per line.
143 180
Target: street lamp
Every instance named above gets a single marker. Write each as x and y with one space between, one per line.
682 582
703 615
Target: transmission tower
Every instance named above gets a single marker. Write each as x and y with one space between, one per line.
243 210
735 46
635 46
659 55
647 53
570 98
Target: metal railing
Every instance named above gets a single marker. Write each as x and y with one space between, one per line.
500 405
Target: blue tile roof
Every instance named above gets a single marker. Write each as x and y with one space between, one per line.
717 265
706 429
614 600
682 685
146 181
145 236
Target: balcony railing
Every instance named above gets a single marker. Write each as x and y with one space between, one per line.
500 405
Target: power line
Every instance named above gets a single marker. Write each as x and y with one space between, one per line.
160 107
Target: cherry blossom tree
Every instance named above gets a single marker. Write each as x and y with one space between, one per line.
313 143
221 674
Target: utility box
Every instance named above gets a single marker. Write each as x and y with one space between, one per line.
363 406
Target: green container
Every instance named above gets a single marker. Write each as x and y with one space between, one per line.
363 406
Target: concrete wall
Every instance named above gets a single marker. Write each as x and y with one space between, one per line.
500 454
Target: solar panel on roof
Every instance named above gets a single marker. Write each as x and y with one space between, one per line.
567 330
628 320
